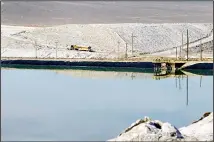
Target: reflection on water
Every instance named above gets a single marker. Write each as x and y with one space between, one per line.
96 105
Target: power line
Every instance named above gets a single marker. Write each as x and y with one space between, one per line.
125 45
187 45
201 50
181 44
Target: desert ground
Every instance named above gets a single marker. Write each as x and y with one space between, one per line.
47 29
105 12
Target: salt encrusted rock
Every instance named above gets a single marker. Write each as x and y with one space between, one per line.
154 130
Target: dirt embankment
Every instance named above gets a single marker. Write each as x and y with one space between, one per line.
107 40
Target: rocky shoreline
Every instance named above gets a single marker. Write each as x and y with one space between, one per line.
155 130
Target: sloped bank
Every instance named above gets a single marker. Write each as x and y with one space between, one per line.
155 130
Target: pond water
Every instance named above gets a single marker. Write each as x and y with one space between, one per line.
79 105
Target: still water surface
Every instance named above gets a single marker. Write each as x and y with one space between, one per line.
50 105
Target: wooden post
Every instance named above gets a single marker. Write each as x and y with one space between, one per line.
187 45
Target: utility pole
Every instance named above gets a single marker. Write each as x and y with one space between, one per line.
35 44
176 52
181 44
132 42
126 50
118 48
187 45
47 41
201 50
56 48
125 43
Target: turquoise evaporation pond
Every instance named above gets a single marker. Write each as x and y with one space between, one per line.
50 105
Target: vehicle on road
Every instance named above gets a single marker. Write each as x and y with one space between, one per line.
80 48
